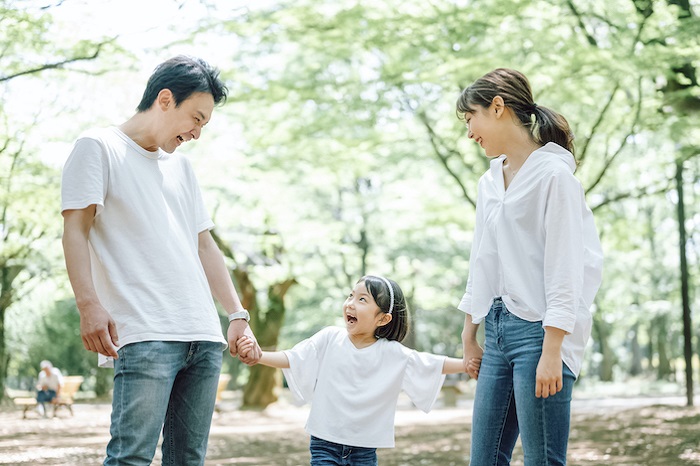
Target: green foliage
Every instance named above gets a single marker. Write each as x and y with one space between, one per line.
338 93
29 230
339 152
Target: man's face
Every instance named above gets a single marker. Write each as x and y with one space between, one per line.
185 122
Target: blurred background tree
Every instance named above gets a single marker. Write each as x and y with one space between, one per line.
339 154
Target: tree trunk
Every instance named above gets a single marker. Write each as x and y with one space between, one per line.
650 347
8 273
636 350
602 334
685 295
260 391
663 368
4 358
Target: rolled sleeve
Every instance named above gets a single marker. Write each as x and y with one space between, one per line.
563 252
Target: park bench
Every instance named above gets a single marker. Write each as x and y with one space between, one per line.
71 384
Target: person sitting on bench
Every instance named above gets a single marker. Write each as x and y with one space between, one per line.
48 386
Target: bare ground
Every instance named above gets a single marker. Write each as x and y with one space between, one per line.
608 432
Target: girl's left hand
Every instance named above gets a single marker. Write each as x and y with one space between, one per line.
549 380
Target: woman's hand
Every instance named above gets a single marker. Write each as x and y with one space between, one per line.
549 379
472 359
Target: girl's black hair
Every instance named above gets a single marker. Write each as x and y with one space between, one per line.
397 329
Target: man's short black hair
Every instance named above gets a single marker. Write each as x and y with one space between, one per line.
183 76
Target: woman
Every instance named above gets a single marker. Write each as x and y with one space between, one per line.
535 266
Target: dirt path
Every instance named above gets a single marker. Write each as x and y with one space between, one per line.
610 432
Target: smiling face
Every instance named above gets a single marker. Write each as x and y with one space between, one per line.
183 122
362 315
482 126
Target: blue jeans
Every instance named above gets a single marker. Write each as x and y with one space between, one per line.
324 453
45 396
168 385
505 405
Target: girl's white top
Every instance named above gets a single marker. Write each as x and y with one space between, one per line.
536 246
353 391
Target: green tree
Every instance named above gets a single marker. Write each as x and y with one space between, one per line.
27 226
367 90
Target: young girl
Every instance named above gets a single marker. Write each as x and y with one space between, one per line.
535 266
354 375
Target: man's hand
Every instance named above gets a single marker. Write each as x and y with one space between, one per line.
98 330
237 329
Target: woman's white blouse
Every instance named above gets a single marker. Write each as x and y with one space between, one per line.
536 245
353 392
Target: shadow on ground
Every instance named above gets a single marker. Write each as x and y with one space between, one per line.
621 433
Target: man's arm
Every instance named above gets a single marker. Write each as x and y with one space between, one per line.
97 328
223 290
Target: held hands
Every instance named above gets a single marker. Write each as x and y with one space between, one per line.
472 359
245 346
98 330
472 367
239 332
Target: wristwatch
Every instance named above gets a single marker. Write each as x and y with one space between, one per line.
239 315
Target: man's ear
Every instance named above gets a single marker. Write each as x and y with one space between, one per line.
498 106
165 99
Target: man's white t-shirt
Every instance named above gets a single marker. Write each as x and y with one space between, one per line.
354 392
144 240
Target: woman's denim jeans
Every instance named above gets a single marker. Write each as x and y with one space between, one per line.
168 385
505 404
324 453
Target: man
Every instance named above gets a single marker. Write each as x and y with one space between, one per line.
143 267
48 386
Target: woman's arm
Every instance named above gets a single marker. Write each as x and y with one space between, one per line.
472 351
549 379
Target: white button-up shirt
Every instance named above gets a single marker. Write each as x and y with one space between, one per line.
537 247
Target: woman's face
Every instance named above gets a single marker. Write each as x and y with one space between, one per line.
482 128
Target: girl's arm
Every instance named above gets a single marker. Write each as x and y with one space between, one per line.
269 358
275 359
455 366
